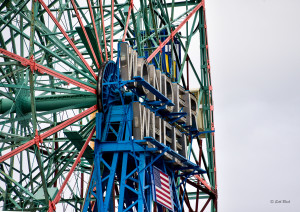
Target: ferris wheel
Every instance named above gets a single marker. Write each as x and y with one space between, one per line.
100 101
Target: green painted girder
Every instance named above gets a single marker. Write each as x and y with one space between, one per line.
46 103
66 163
190 62
62 46
22 176
78 141
122 22
28 116
165 26
93 41
47 89
201 195
53 53
187 48
60 157
17 184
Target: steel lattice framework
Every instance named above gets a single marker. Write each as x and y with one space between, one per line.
53 54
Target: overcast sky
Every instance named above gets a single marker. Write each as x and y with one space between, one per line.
255 60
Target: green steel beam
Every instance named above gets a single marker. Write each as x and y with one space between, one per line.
188 42
34 9
53 53
49 102
17 184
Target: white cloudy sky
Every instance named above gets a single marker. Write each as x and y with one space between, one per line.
255 59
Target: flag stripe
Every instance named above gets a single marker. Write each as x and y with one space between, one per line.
165 180
164 176
164 204
164 201
165 185
164 197
165 190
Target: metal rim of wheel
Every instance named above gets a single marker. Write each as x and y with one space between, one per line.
107 85
51 50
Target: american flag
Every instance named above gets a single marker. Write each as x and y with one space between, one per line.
162 190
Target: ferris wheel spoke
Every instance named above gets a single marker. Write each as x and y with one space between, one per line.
40 26
68 38
95 29
127 21
58 195
112 30
17 184
85 33
60 157
103 29
53 53
38 139
28 116
41 68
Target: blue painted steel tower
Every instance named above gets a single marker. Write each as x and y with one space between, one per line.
123 164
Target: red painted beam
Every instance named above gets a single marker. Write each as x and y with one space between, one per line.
197 198
58 195
112 30
199 164
85 33
48 133
42 69
173 33
103 28
17 150
210 97
68 38
186 199
203 182
95 29
128 18
205 205
198 186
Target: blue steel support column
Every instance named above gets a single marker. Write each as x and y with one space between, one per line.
110 183
96 176
122 183
141 177
148 192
